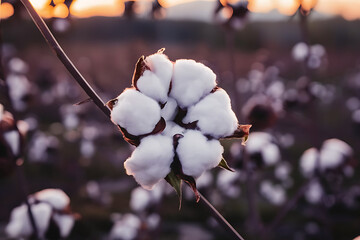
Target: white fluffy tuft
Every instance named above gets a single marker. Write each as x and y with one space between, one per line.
214 115
191 82
198 154
55 197
20 226
170 109
65 223
172 129
150 161
135 112
13 139
308 161
162 67
150 85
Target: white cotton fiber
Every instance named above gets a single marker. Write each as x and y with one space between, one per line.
55 197
150 161
314 193
337 146
65 223
198 154
300 51
226 183
13 139
271 154
191 82
170 110
308 161
140 199
214 115
20 225
150 85
135 112
162 67
275 194
256 141
172 129
126 228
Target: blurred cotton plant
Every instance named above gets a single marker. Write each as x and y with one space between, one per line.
52 214
175 114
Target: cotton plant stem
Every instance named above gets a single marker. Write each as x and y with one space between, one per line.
289 205
97 100
220 218
25 191
64 58
254 221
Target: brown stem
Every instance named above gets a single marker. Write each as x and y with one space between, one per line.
97 100
54 45
220 218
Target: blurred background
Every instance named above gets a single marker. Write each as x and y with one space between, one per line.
291 67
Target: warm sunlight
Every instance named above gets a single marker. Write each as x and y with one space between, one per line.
88 8
61 11
6 10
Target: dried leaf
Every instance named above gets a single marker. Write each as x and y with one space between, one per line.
223 164
140 68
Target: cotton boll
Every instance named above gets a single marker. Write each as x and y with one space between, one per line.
140 199
256 141
170 109
12 138
226 183
150 85
300 51
135 112
65 223
162 67
55 197
333 153
150 161
198 154
314 192
308 161
214 115
126 228
153 221
17 65
191 82
172 129
20 225
19 87
271 154
275 194
338 146
282 171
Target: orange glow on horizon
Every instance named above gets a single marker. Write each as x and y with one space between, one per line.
60 11
6 10
287 7
349 9
89 8
261 6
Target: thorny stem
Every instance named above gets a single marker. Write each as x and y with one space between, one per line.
97 100
64 58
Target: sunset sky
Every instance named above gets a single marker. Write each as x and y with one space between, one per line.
349 9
